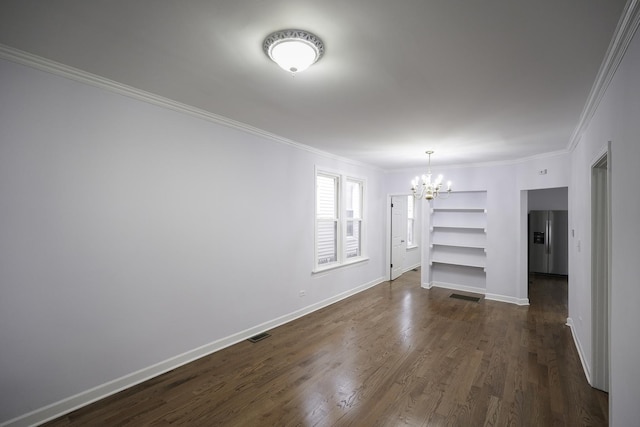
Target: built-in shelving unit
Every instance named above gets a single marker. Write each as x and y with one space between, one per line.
458 240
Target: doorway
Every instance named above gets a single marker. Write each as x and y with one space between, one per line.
600 260
550 199
548 233
398 236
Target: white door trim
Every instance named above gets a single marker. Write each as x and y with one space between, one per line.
601 271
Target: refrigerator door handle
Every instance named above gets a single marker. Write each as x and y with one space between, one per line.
549 237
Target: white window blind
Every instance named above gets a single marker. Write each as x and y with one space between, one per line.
326 219
339 220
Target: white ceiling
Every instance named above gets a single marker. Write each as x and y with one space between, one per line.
486 80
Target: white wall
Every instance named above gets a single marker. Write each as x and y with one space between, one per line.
132 235
549 199
616 120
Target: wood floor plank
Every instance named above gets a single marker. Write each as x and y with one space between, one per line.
395 354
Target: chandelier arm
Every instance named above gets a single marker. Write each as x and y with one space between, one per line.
430 190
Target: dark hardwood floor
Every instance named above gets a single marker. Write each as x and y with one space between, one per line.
393 355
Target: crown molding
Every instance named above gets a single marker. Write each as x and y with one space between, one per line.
489 163
43 64
622 36
512 161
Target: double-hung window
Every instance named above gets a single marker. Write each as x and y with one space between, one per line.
339 220
327 220
353 240
411 214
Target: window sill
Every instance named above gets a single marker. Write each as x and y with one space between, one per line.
347 263
412 247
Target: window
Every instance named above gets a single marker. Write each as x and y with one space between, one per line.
354 218
411 213
339 220
326 219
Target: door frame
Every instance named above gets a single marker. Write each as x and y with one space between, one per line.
389 237
601 307
523 248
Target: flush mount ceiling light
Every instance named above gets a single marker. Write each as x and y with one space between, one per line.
429 189
293 50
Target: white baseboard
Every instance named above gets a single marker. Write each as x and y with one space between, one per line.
505 298
576 341
87 397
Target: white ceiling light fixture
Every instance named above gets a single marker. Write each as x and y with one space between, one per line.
293 50
429 190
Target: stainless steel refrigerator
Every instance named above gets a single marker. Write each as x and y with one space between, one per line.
548 242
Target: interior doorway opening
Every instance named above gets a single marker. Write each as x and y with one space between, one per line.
548 231
547 242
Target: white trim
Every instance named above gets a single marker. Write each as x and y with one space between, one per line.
62 70
484 164
522 287
457 287
481 291
337 215
411 244
341 258
622 36
364 218
601 313
336 265
507 299
64 406
576 341
600 154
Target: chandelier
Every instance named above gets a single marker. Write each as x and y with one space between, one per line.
428 189
293 50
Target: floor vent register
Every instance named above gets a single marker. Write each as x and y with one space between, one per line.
259 337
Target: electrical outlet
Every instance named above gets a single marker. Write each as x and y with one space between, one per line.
542 172
302 293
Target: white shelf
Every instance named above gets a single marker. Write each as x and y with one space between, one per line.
459 255
462 200
459 218
480 210
466 227
458 239
469 237
462 245
457 262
